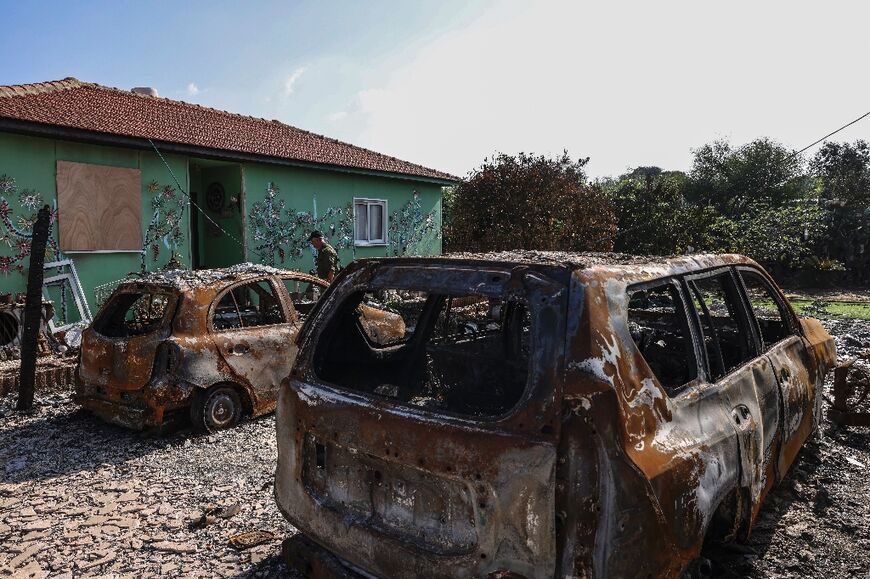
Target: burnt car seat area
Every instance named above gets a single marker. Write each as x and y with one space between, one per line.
460 354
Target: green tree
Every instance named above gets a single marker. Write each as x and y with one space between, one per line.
738 180
654 215
529 202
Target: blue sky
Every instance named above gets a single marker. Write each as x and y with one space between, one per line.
447 83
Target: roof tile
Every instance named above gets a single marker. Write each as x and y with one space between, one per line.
91 107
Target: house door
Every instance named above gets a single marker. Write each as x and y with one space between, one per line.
216 227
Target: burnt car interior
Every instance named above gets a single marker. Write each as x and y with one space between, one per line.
132 314
303 295
248 305
658 325
461 354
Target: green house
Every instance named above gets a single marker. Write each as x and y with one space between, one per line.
134 180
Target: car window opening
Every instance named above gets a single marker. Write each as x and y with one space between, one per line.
768 310
304 296
723 325
133 314
461 354
658 325
249 305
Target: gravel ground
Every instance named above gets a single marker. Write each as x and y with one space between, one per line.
79 497
82 498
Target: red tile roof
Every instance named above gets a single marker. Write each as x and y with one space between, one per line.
91 107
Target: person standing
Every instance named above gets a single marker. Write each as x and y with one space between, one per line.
327 258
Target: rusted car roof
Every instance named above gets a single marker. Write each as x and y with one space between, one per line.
185 279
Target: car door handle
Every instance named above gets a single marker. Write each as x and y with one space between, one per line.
240 349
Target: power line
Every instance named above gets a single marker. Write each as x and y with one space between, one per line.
831 134
192 202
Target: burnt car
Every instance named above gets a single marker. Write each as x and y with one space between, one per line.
211 344
542 414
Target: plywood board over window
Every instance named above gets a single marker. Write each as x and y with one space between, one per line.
99 207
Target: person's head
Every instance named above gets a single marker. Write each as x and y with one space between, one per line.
316 239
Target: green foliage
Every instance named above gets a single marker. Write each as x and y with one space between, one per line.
734 180
654 215
528 202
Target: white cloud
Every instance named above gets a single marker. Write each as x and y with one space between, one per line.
192 89
625 83
289 84
336 116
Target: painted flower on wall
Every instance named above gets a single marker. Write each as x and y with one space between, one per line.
30 199
411 229
165 227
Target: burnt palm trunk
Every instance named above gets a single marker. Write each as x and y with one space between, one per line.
33 310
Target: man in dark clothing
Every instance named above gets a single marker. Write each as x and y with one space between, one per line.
327 258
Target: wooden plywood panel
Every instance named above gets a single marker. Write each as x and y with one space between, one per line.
99 207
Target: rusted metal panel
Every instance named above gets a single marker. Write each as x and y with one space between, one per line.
851 390
141 381
597 471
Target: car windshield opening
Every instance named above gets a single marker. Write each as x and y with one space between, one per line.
462 354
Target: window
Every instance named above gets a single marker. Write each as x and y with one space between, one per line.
464 353
723 323
133 314
249 305
369 221
303 294
769 311
658 326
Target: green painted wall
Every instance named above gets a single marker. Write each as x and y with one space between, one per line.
414 210
32 163
333 192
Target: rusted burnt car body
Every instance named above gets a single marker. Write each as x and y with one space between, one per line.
214 344
545 415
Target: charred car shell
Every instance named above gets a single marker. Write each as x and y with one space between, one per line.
170 343
594 467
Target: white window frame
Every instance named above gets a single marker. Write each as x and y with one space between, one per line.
369 203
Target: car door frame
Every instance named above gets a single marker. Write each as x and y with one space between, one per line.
746 392
263 392
790 358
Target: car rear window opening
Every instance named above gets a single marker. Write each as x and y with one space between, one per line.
133 314
461 354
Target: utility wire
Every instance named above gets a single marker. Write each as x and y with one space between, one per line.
192 202
794 154
831 134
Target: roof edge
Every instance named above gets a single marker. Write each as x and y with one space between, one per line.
35 129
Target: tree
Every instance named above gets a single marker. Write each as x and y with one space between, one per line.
654 215
529 202
844 172
735 181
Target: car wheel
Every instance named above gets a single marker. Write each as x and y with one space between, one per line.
217 408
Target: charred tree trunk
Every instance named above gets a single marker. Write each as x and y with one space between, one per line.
33 310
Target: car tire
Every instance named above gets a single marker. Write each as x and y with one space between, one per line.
218 408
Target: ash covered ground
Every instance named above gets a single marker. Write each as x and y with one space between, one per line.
82 498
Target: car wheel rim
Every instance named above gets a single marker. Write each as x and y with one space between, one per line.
221 410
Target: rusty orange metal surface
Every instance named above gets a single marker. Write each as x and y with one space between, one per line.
596 471
141 380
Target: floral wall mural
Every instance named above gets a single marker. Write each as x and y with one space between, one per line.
17 215
281 232
410 229
165 227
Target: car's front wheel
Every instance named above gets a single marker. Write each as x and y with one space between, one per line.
217 408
